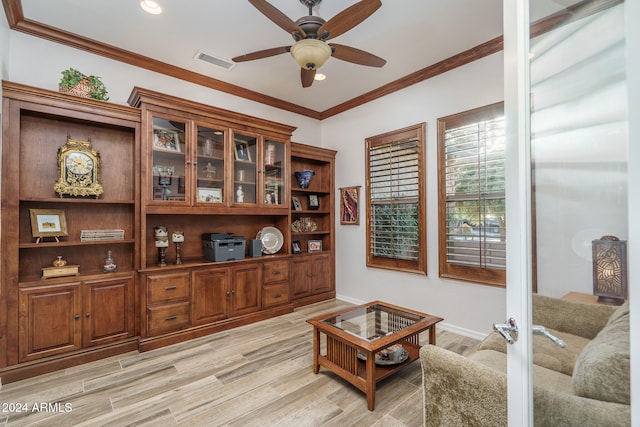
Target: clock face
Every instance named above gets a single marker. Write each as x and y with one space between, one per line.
79 163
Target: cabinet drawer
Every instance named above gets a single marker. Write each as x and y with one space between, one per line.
167 318
276 294
167 287
275 271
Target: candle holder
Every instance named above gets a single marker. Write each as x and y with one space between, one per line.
162 252
162 243
178 238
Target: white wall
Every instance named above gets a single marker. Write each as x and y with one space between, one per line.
470 307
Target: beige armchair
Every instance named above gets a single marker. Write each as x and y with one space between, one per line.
584 384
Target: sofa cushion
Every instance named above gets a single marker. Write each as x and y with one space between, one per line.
620 311
542 377
545 352
602 370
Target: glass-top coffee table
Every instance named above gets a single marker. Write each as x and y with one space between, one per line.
367 343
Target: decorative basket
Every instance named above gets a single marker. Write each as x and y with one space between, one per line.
82 89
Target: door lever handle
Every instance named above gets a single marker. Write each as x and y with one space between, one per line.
508 330
541 330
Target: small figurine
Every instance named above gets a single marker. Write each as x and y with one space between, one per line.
240 195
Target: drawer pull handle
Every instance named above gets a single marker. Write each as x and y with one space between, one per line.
77 316
170 288
277 295
170 318
276 273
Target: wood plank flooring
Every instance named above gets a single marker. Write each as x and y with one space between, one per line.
255 375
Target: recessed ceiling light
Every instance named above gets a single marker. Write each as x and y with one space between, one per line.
320 76
151 7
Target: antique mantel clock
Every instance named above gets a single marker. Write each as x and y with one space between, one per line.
78 170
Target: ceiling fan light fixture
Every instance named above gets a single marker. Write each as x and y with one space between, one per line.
151 7
310 54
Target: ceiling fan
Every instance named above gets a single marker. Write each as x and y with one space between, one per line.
310 33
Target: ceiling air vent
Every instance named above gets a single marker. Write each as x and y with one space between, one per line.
214 60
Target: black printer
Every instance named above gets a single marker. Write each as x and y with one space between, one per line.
222 247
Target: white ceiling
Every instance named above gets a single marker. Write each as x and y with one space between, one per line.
409 34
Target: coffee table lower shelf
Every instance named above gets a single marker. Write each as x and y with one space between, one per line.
359 378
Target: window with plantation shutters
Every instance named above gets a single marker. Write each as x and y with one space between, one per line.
471 171
396 236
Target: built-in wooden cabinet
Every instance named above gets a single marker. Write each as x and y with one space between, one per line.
312 225
60 318
165 161
82 312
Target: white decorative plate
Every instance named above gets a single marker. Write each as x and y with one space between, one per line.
271 238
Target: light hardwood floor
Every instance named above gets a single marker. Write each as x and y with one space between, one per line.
255 375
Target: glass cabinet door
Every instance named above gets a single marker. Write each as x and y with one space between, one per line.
274 155
168 160
244 169
209 154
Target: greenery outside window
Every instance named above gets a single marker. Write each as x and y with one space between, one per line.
471 207
396 220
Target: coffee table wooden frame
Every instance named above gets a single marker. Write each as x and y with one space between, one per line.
342 348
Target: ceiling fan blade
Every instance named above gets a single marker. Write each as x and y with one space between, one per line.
357 56
261 54
307 77
349 18
277 17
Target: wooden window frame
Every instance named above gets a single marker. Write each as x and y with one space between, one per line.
418 266
476 274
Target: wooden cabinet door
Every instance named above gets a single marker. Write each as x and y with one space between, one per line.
320 273
300 283
246 284
50 320
108 310
211 293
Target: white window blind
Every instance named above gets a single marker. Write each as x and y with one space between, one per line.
474 193
394 190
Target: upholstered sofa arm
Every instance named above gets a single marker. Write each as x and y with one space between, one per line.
459 391
462 391
584 320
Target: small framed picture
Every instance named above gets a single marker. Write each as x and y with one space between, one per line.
209 195
166 140
296 247
314 202
295 202
48 223
242 151
315 246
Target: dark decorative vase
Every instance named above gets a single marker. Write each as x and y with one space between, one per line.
304 177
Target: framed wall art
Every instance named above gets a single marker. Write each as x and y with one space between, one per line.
48 223
349 200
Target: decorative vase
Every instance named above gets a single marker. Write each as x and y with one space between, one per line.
304 177
207 149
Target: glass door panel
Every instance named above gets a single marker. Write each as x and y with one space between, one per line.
274 172
245 176
168 159
210 160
